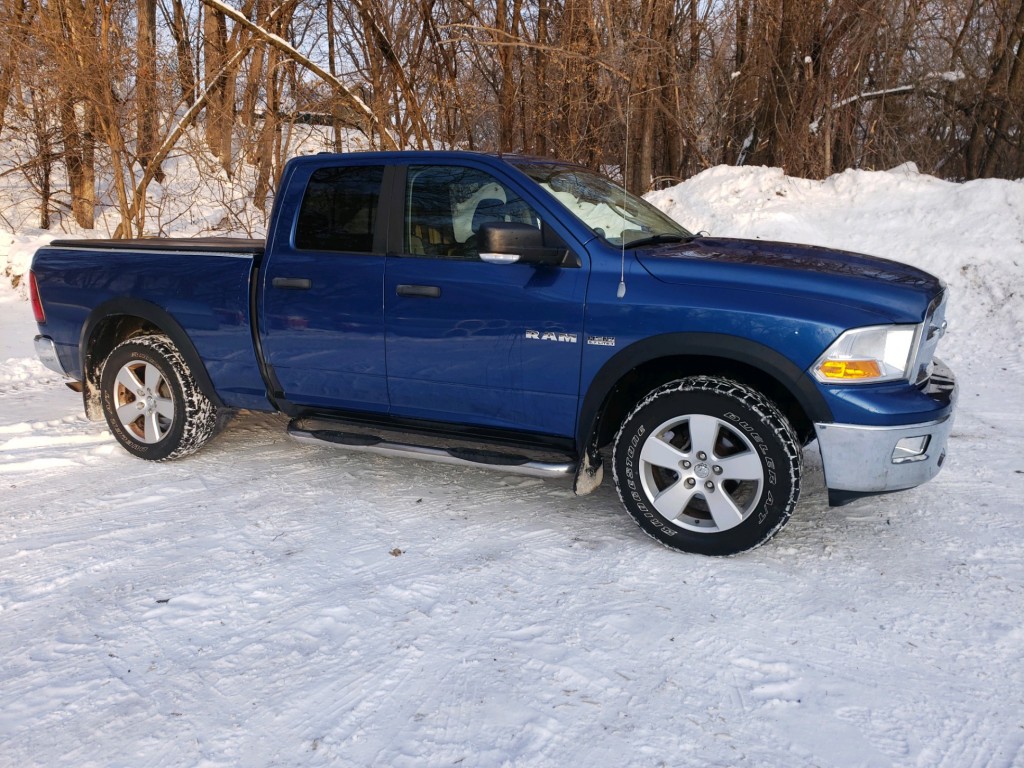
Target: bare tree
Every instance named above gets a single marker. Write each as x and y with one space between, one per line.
16 18
146 84
178 24
220 86
658 88
996 144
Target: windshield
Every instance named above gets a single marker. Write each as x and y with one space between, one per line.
606 208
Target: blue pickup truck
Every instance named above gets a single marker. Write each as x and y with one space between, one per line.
522 314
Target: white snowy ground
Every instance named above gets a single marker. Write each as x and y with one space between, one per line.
268 603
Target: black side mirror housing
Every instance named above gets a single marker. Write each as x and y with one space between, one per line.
512 242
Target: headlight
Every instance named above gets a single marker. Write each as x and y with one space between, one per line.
869 355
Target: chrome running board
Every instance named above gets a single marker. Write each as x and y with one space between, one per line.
322 432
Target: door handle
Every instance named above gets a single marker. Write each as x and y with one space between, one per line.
425 291
295 283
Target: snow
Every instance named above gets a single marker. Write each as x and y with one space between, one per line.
269 603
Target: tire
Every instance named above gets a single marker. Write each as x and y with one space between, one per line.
151 401
708 465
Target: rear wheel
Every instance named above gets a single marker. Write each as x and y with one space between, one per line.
151 401
708 465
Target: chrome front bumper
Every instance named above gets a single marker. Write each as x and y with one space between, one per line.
880 459
864 460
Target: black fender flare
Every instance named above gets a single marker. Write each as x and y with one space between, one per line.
716 345
162 319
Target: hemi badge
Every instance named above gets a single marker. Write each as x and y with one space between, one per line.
601 341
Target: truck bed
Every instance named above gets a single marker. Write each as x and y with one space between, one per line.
198 290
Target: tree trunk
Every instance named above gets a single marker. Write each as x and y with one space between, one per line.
332 67
264 155
507 23
736 125
989 144
145 86
183 50
41 169
220 104
79 159
17 29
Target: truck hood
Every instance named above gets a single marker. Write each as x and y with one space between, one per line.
897 291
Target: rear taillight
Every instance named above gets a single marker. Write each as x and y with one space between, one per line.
37 305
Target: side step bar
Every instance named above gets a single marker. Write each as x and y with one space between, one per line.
324 433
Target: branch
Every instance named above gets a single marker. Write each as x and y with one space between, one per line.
285 47
899 90
512 41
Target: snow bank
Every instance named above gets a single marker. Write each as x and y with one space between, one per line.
16 253
971 235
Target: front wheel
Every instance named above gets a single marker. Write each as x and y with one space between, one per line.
708 465
151 401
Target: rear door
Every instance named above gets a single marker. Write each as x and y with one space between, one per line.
322 313
468 341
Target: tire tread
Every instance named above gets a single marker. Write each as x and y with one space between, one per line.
201 415
772 417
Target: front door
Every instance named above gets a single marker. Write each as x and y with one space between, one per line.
492 345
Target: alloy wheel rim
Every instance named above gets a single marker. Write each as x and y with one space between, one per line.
144 401
701 473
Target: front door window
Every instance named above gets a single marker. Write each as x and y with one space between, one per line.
447 205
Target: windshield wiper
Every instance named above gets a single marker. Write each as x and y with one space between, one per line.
659 239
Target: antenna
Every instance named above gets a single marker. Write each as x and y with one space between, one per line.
625 180
622 234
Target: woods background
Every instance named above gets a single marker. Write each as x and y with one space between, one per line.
95 95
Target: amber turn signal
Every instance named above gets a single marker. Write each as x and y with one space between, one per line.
849 370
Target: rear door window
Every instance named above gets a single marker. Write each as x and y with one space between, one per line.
339 210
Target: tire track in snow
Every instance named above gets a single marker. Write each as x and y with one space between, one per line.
884 734
133 510
19 376
973 740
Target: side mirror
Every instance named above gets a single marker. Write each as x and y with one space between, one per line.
512 242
